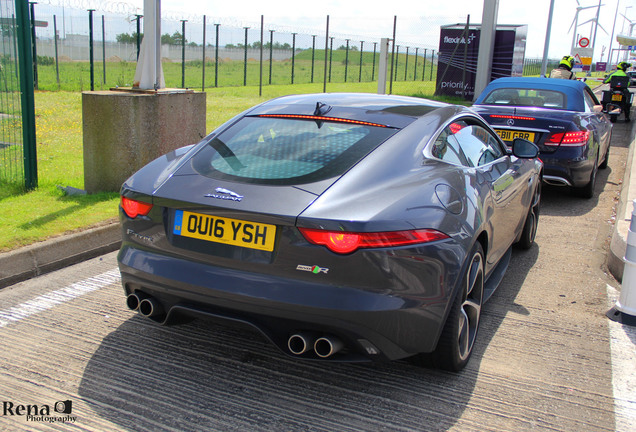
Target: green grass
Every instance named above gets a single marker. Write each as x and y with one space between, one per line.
75 76
29 217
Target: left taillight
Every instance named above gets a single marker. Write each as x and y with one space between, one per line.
347 242
568 139
134 208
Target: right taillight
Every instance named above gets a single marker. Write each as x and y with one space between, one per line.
568 139
134 208
346 242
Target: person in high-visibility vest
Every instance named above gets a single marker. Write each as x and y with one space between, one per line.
564 70
620 71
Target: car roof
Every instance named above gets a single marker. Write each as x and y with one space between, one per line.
573 89
390 110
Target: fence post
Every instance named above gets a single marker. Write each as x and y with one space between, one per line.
375 45
271 54
397 61
57 65
313 56
203 55
33 46
330 55
183 38
324 85
293 55
406 65
260 73
216 56
415 67
432 63
361 50
392 54
103 49
138 18
90 47
424 64
27 98
245 59
346 60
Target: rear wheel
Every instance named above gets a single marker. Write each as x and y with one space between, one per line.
603 165
613 118
532 221
587 191
460 331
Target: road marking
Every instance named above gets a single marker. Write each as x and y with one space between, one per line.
53 298
623 351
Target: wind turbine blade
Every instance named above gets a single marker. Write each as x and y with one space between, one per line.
572 25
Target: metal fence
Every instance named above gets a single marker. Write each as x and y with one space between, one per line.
214 52
18 167
218 52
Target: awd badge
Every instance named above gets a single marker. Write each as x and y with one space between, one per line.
312 269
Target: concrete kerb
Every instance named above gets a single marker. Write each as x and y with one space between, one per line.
618 244
31 261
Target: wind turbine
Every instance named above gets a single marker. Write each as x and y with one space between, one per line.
595 25
575 22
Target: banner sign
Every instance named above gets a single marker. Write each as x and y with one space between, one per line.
459 51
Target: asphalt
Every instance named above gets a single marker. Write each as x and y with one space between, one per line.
59 252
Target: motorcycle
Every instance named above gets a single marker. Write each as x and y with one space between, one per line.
618 99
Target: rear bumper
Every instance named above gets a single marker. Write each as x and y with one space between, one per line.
567 168
372 325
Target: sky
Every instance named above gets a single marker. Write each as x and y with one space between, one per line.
417 21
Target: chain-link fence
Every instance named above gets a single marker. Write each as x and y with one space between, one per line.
214 52
202 51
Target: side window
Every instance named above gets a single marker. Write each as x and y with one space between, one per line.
590 101
447 148
479 145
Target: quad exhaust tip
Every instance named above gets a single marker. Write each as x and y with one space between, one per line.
300 343
144 304
133 300
303 342
327 346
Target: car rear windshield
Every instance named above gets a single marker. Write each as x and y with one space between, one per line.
283 151
526 97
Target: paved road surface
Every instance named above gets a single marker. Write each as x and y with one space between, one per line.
543 362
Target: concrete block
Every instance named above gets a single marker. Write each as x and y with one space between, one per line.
125 130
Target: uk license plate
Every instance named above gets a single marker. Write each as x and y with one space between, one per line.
509 135
617 97
216 229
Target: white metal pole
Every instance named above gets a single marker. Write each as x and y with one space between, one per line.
544 62
383 66
486 45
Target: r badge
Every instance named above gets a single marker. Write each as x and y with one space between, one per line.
312 269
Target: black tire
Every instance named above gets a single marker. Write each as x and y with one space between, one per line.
613 118
532 222
603 165
587 191
457 340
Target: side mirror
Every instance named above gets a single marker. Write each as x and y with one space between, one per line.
524 149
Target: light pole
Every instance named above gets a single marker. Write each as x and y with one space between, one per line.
609 59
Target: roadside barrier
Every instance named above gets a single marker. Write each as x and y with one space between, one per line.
624 311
